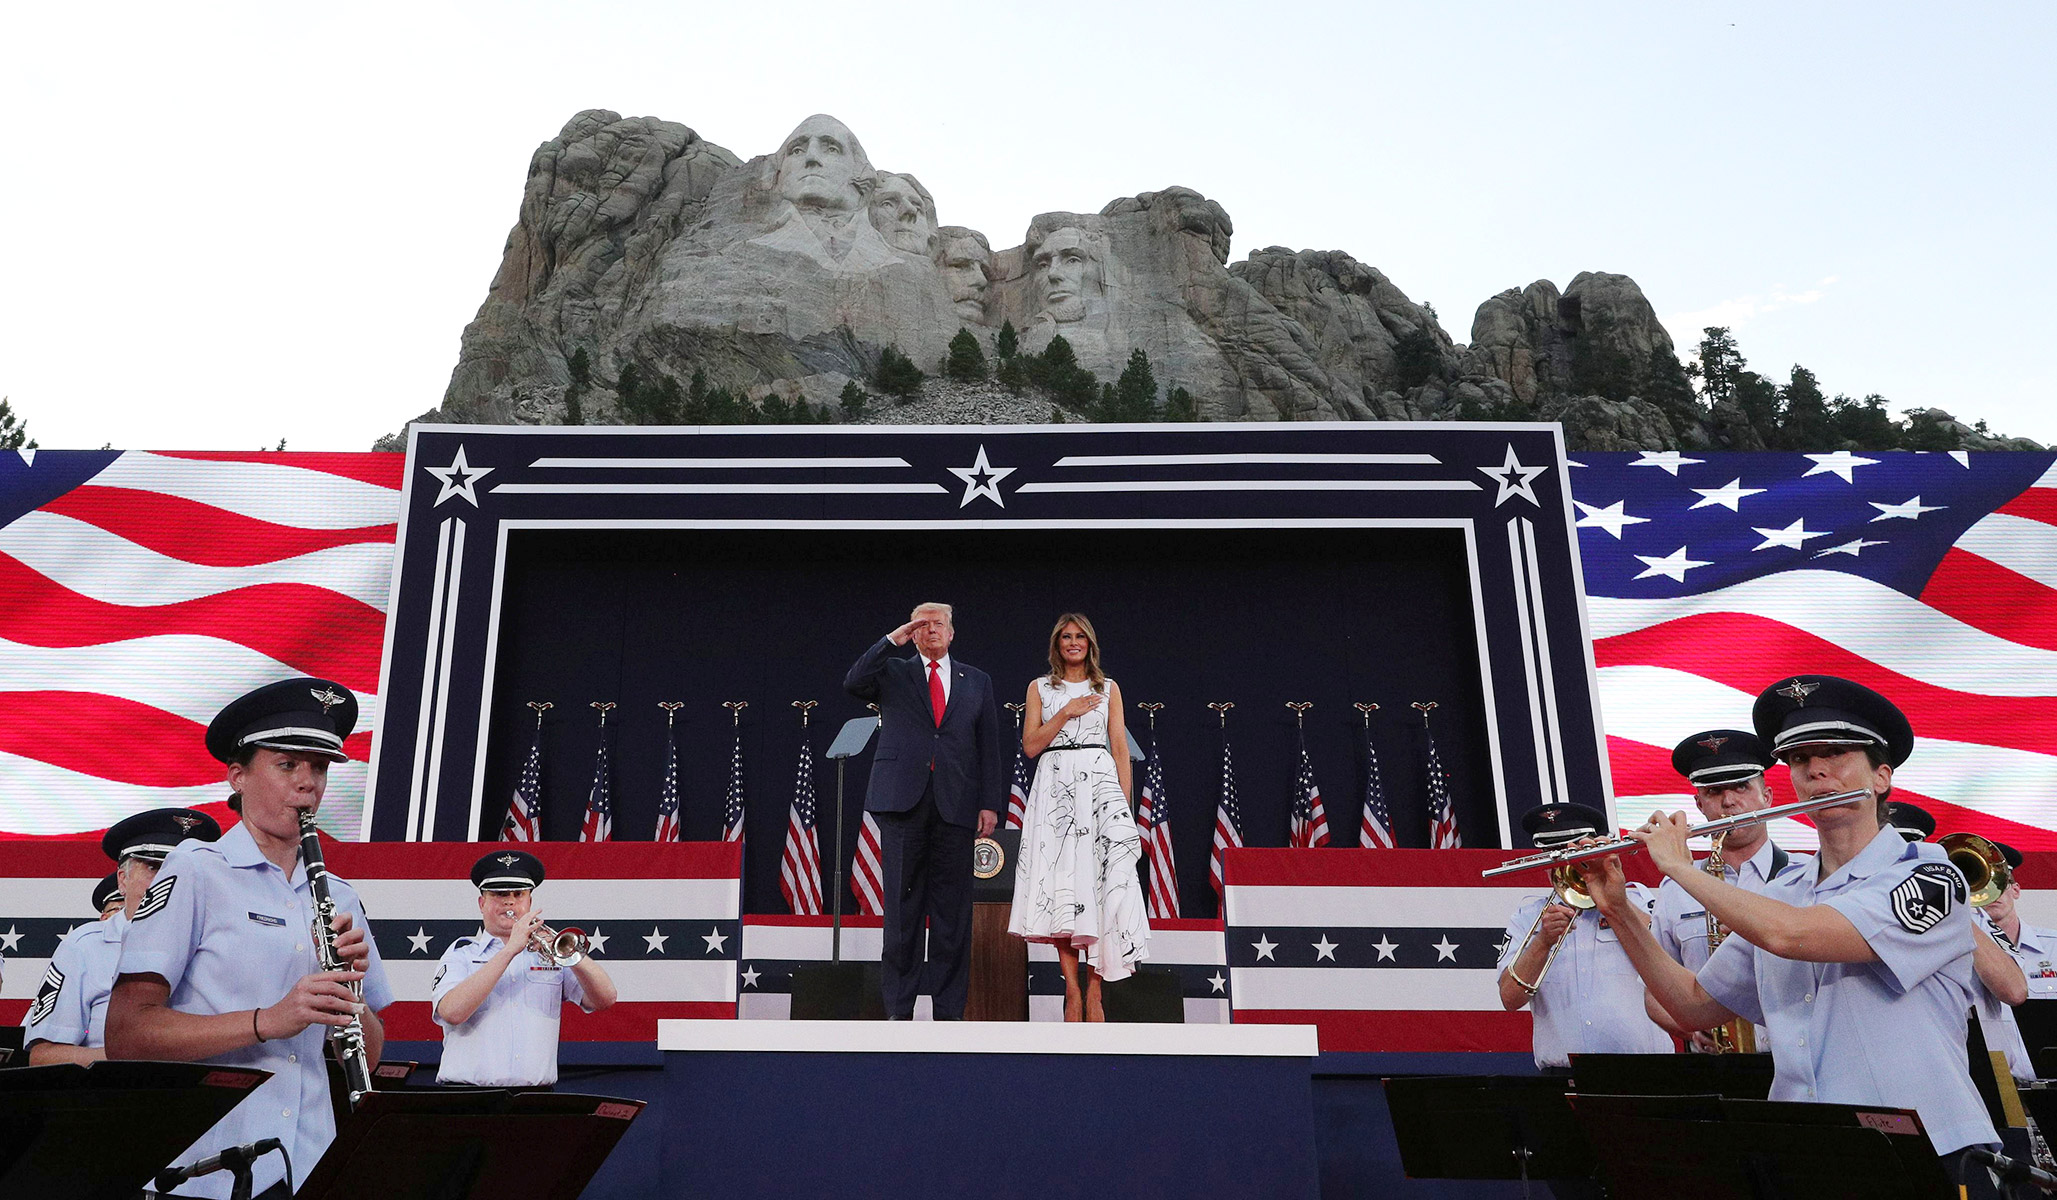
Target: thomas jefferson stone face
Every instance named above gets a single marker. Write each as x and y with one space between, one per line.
902 211
1067 272
822 167
967 265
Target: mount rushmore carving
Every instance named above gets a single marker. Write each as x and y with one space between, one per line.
641 243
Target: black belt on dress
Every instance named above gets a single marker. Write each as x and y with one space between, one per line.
1078 746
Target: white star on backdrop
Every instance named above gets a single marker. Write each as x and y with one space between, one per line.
1842 463
458 479
418 941
1385 947
1446 949
1908 510
597 940
750 976
11 938
1850 548
653 942
1790 537
981 478
1729 495
1264 946
1963 458
1674 564
1514 479
1325 949
717 941
1611 518
1666 460
1218 983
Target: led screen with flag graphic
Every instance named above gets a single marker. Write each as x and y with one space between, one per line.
141 591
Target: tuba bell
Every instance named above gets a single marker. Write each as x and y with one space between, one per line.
1984 868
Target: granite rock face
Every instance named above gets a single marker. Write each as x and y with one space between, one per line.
641 243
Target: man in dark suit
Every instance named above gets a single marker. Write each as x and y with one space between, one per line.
937 782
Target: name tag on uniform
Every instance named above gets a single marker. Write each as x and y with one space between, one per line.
1700 914
551 967
265 919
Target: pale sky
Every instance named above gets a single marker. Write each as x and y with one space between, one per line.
231 224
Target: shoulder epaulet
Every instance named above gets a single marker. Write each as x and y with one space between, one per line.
463 942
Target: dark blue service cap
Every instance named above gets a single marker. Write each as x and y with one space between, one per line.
1821 710
151 835
299 716
2012 855
1720 757
1555 824
106 892
507 871
1913 821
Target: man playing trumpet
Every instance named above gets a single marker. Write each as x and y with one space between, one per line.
496 996
1860 967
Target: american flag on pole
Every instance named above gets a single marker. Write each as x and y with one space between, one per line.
732 804
800 862
524 815
1375 830
1310 818
867 873
1153 821
144 591
1929 577
1018 788
668 796
1228 817
1442 809
599 823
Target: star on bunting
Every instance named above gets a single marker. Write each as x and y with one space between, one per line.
418 941
981 478
1842 463
1385 947
717 941
1514 479
1729 495
653 942
458 479
1324 949
1790 537
1446 949
1674 564
1264 946
1666 460
1611 518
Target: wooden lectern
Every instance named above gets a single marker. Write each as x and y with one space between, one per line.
999 960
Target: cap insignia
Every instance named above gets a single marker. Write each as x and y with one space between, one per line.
1798 691
185 823
1713 744
508 860
327 698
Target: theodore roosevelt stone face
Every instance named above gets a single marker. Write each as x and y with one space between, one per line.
966 262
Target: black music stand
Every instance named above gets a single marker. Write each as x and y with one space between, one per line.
134 1117
469 1144
1735 1076
1708 1148
2038 1021
1486 1127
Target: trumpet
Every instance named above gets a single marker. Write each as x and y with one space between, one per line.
566 949
1984 868
1567 888
1567 855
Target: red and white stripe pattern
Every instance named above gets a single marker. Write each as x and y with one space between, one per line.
1972 660
800 860
1153 821
868 872
140 592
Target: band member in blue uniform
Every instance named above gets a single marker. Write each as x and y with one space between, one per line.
497 999
218 962
68 1020
1590 1001
1861 967
1726 768
107 897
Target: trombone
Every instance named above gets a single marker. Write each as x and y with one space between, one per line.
1566 888
1566 855
1984 868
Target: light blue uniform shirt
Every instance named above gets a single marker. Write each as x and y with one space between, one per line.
511 1040
230 932
1591 1001
1887 1033
70 1008
1996 1016
1680 922
2036 951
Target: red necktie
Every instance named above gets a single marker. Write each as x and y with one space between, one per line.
936 691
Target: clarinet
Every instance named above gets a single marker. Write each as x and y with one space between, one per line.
349 1039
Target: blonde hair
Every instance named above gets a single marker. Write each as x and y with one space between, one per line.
1097 677
949 614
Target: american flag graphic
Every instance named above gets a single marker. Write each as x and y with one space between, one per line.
1929 577
800 862
524 816
1375 831
1018 787
868 871
732 804
599 823
1442 809
1153 821
144 591
1310 818
668 796
1228 817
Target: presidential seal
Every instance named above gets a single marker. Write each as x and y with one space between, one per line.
987 858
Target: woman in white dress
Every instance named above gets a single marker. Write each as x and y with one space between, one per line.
1075 885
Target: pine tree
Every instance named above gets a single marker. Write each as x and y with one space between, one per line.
1417 358
1720 367
1180 406
1135 393
966 361
776 411
1008 342
1806 422
854 399
897 375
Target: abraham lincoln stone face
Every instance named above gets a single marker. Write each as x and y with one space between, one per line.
1068 273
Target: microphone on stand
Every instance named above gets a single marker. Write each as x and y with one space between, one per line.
231 1158
2013 1170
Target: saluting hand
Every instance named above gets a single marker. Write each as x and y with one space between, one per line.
900 636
